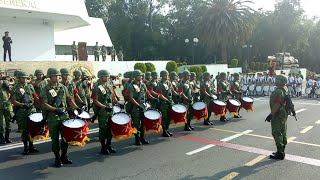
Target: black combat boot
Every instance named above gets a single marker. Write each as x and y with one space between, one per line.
223 119
277 155
165 133
237 116
25 148
6 136
64 158
2 141
191 127
32 149
57 161
104 149
187 128
109 147
207 122
137 141
144 141
170 134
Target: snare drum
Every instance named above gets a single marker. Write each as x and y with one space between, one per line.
259 88
251 87
266 88
247 103
152 120
233 106
178 114
116 109
121 126
218 108
244 88
200 111
308 90
37 129
75 131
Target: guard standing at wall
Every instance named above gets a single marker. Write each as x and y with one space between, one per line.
74 49
4 110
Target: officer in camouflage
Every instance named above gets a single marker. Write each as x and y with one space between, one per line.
55 100
125 91
206 94
38 84
165 91
175 84
152 86
4 110
77 90
223 91
236 91
279 116
65 73
102 106
22 98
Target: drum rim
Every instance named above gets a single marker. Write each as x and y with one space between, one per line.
219 101
153 109
83 117
84 123
121 113
182 106
235 100
247 98
33 114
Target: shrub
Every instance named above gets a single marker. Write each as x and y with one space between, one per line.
140 66
172 66
234 63
204 68
197 70
252 65
150 67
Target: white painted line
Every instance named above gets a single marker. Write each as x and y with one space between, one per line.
306 129
291 139
300 110
318 122
230 176
312 104
236 136
200 149
17 145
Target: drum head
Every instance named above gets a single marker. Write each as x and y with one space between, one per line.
234 102
266 88
251 88
220 103
247 99
36 117
152 114
244 87
74 123
84 115
179 108
259 88
199 105
121 118
116 109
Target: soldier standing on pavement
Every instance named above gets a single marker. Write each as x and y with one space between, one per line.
175 84
126 92
102 105
86 84
137 96
74 49
206 93
147 77
152 86
185 91
96 52
4 110
279 116
38 84
77 90
104 53
236 91
23 98
223 91
55 100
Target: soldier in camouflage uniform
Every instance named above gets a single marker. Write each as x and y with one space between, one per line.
38 84
4 110
279 116
137 95
102 106
152 86
206 93
55 100
175 84
22 98
86 85
77 90
223 91
65 73
236 91
14 108
126 92
165 91
147 77
185 91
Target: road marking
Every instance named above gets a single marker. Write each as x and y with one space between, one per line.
256 160
230 176
306 129
291 139
300 110
17 145
200 149
289 157
236 136
318 122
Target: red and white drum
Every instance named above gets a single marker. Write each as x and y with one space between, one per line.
200 110
247 103
116 109
178 114
121 126
218 108
37 129
233 105
152 120
75 131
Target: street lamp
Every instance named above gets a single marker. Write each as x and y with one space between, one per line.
247 46
195 42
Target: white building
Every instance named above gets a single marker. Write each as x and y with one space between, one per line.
38 26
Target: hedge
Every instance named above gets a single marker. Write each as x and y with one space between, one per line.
204 68
141 66
172 66
234 63
197 70
150 67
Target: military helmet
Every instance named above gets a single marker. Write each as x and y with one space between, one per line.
164 73
38 71
15 72
185 73
173 73
236 74
281 79
206 74
77 73
136 73
127 74
193 74
103 73
22 74
53 72
84 73
154 73
223 74
147 74
65 71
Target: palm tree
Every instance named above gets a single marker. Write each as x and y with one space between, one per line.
225 23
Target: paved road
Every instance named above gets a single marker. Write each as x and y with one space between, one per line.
237 149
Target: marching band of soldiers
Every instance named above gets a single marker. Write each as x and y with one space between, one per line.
57 98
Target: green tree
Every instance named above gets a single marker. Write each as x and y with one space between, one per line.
140 66
197 70
150 67
172 66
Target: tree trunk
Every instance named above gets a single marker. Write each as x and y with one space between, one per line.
224 54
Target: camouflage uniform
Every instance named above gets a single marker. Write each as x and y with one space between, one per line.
236 91
152 86
206 87
223 91
4 112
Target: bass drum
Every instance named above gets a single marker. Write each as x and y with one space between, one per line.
121 126
178 114
75 131
308 90
37 129
152 120
244 88
200 110
272 88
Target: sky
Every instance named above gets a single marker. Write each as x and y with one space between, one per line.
311 7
